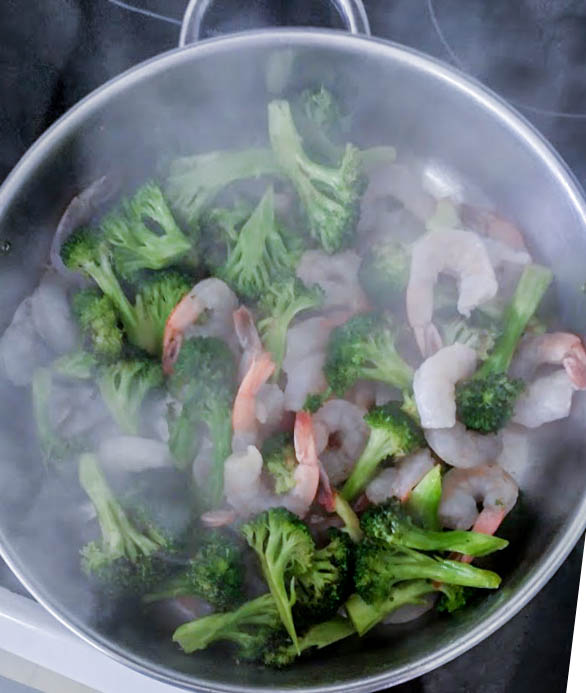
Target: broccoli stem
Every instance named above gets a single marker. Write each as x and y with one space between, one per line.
424 499
387 366
466 542
199 634
318 636
365 616
530 290
351 521
177 586
379 446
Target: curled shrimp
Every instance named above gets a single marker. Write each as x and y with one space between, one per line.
434 384
463 489
460 447
455 252
337 275
548 397
398 481
340 434
212 297
245 489
244 415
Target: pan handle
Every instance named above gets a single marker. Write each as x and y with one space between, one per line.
352 13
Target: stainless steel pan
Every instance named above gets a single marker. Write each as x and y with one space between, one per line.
213 95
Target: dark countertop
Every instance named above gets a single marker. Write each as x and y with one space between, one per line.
55 52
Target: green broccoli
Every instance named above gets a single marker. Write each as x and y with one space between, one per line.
98 321
485 402
144 233
378 568
281 302
79 365
247 627
388 524
124 385
259 253
124 561
155 299
322 590
384 272
215 573
424 500
278 453
329 195
363 348
203 380
285 550
194 181
480 338
365 616
392 433
278 651
87 252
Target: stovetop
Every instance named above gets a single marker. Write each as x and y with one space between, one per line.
531 51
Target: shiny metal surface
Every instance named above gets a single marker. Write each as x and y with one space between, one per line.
199 98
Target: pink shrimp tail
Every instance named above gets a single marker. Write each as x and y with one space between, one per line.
575 365
487 522
218 518
246 331
171 346
243 414
306 453
185 313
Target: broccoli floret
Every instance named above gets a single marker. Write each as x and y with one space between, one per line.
155 299
378 568
79 365
392 433
144 233
98 321
259 253
203 379
124 385
388 524
363 348
453 598
87 252
285 550
485 402
329 195
194 181
278 453
323 589
365 616
280 652
384 272
281 302
248 627
480 338
124 561
215 573
424 500
315 401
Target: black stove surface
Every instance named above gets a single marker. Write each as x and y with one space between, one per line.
531 51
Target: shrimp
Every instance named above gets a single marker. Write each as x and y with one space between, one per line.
244 419
340 434
458 253
434 384
211 296
493 226
460 447
244 487
398 481
337 275
487 484
548 397
248 338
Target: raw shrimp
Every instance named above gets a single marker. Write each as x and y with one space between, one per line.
451 251
305 357
244 418
398 481
460 447
548 397
340 435
434 384
243 484
214 298
337 275
463 489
